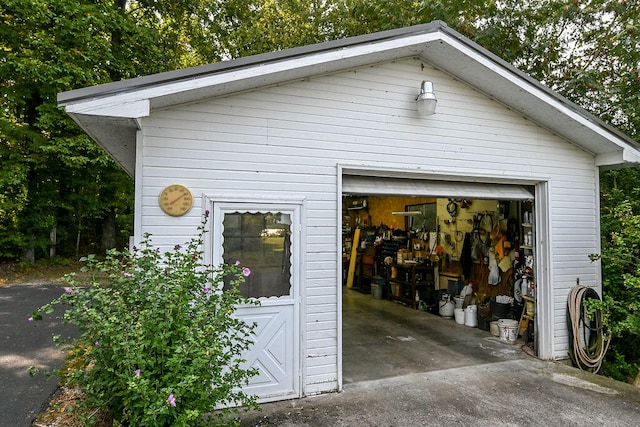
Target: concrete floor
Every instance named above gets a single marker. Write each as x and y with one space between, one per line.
404 367
383 339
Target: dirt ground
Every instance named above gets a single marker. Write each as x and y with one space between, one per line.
14 273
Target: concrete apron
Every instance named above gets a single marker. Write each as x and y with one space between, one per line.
403 367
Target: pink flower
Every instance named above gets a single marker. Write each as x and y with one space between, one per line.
246 272
30 319
67 290
97 343
205 290
137 372
128 274
172 400
206 213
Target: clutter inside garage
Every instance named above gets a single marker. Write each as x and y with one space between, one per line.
469 260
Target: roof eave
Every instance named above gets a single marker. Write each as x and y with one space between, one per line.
435 43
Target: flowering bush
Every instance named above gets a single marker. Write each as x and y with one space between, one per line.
159 343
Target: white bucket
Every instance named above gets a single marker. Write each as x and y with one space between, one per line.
459 301
459 315
471 316
493 327
508 330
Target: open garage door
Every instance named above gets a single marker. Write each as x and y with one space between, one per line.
384 217
352 184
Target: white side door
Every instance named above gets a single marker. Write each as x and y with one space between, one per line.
265 238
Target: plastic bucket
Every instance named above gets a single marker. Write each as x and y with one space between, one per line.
459 315
494 329
484 310
459 301
471 316
483 322
508 330
500 310
376 290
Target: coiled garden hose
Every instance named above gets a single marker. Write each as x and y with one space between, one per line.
588 342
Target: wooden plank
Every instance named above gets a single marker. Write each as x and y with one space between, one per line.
354 256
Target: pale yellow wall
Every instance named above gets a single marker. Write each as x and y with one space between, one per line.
379 210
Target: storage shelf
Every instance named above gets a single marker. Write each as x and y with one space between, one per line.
407 288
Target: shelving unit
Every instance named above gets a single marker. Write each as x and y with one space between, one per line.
408 279
526 324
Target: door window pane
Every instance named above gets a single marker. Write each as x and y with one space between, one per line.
262 242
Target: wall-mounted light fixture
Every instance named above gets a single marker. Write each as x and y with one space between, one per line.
426 101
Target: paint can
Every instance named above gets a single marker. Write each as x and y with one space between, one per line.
508 330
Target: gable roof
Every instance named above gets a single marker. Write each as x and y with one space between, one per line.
110 113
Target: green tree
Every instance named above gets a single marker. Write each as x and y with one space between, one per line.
621 272
54 177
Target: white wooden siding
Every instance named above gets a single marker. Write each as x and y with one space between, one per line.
288 139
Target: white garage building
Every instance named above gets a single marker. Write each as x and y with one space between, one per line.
286 136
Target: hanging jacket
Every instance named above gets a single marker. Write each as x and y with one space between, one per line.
465 256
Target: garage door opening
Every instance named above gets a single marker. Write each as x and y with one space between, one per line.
459 256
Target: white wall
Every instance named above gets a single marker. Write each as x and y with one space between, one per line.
288 140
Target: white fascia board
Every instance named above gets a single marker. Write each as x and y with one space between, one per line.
125 107
138 102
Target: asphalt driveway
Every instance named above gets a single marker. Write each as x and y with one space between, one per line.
24 344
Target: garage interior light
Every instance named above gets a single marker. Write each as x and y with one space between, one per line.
426 101
412 213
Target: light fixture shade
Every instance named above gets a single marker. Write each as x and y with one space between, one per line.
406 213
426 101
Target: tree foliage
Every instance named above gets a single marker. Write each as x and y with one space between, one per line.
53 176
620 258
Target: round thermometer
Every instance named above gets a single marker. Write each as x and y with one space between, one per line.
176 200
